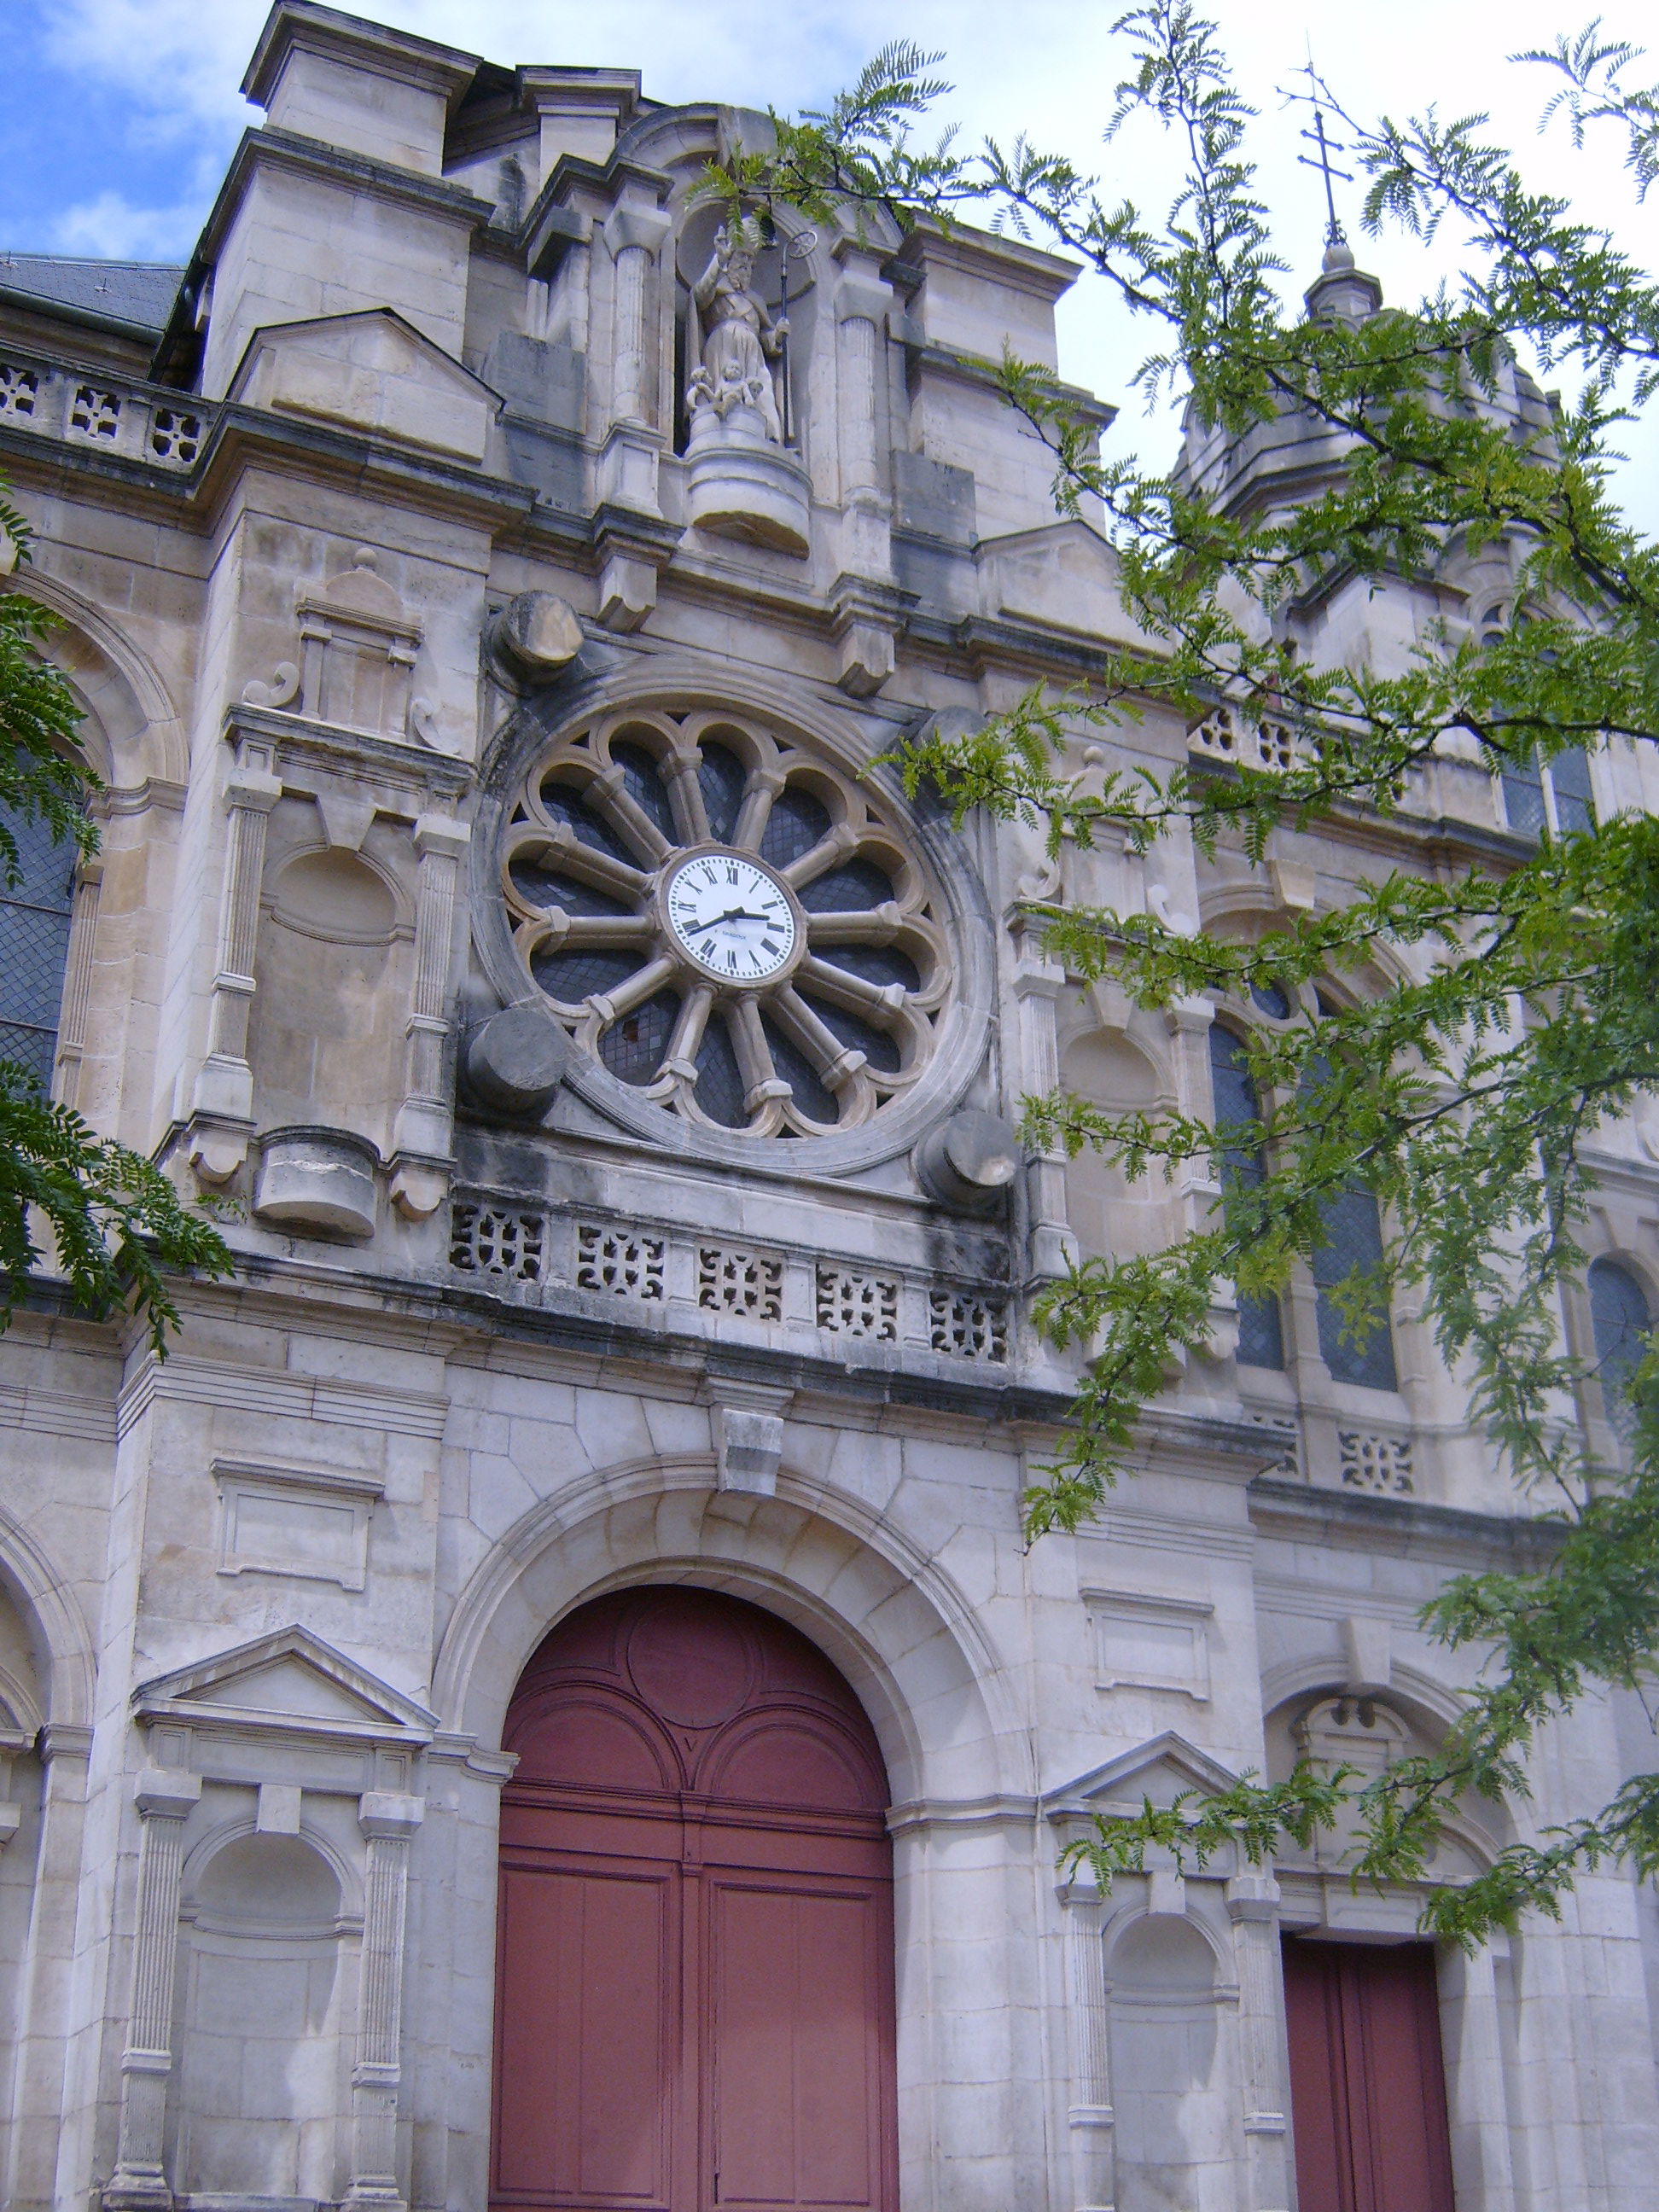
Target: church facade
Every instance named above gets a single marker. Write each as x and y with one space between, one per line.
541 1698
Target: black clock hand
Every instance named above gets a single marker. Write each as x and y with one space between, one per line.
732 913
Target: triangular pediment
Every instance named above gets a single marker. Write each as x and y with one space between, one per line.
1162 1769
287 1680
370 371
1062 574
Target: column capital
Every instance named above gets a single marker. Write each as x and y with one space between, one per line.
166 1794
387 1813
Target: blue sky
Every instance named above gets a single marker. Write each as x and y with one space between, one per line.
119 114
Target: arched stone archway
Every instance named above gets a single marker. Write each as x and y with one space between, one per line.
695 1945
909 1645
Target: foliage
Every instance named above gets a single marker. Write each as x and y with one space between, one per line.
1476 1027
113 1225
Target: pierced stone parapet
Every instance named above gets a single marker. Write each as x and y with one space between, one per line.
1225 735
840 1308
1374 1461
140 421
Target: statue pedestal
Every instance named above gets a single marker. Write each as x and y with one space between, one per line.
739 484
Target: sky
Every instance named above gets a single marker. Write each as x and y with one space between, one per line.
119 115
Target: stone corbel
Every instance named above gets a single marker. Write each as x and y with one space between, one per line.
388 1822
747 1421
422 1132
165 1800
221 1105
632 549
864 622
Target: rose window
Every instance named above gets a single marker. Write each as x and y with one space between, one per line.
726 922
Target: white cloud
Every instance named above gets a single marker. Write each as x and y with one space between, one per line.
111 228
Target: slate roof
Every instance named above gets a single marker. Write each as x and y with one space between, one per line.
136 295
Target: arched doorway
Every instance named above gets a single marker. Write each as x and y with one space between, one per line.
694 1990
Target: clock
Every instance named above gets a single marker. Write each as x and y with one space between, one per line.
733 926
731 916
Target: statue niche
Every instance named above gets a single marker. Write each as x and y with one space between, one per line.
735 336
742 481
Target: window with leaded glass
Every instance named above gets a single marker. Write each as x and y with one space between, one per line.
1553 796
1621 1322
1260 1337
1353 1245
34 930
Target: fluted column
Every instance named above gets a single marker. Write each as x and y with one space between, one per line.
1253 1904
1090 2116
387 1822
77 982
421 1141
630 552
165 1800
223 1101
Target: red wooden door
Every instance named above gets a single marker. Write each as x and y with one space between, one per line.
1367 2089
694 1992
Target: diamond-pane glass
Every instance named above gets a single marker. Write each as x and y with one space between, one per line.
877 964
1353 1233
720 1089
1570 773
852 888
1620 1321
643 785
587 827
633 1048
1523 797
816 1102
34 927
1260 1337
796 824
721 778
878 1048
547 887
569 976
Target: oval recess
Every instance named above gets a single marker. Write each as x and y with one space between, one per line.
336 896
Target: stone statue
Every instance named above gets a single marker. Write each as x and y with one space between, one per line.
735 335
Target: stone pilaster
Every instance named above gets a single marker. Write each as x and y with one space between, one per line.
139 2183
388 1821
1037 983
222 1106
1090 2116
1253 1906
420 1139
77 981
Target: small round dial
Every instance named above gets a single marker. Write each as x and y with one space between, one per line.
731 916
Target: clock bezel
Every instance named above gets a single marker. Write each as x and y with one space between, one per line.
727 985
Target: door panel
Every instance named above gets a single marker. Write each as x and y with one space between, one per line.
588 1986
695 1994
1367 2091
794 2057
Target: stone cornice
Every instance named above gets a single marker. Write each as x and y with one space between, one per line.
311 157
1300 1513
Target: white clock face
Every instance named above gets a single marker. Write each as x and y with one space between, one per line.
731 916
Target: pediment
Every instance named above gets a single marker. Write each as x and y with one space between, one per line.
1063 575
1162 1769
370 371
289 1679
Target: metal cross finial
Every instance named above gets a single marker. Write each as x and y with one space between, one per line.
1321 161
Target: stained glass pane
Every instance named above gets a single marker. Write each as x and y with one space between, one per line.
543 886
1620 1321
721 778
1261 1336
569 976
852 888
720 1087
796 824
877 964
1271 1000
34 927
633 1048
1354 1232
816 1102
566 805
1524 796
643 785
1569 773
878 1048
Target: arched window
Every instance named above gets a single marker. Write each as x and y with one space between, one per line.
1260 1337
1353 1233
35 931
1620 1321
1538 796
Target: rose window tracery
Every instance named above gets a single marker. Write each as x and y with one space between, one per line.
726 922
